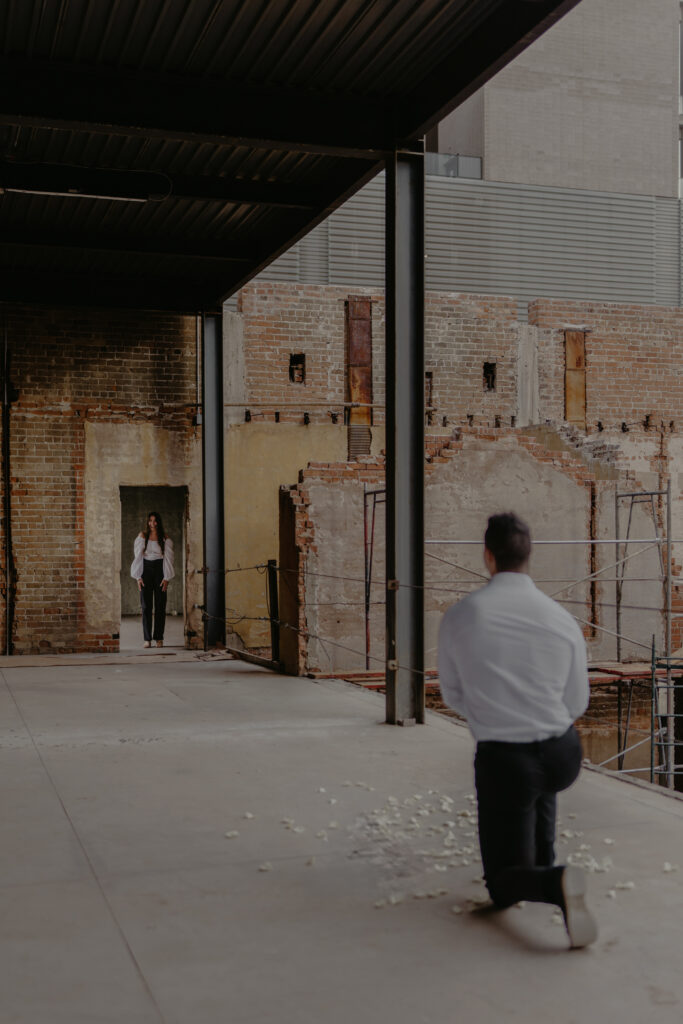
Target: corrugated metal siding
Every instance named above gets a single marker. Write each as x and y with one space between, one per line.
521 240
314 255
357 238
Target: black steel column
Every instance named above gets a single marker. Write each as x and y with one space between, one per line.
405 437
212 479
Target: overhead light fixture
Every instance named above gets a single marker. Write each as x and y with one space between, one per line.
74 194
67 182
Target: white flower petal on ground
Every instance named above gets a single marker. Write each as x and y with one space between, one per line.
232 834
611 894
266 866
608 842
625 885
395 898
248 815
333 824
667 867
379 904
456 909
298 829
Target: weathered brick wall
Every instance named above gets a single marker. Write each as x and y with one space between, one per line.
633 361
70 368
461 333
633 356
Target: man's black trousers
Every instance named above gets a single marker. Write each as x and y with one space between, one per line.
517 785
153 599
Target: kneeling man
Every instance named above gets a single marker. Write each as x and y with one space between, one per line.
513 663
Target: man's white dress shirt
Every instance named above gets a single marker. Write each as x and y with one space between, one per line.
513 662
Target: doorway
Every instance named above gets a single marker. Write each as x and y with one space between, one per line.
136 504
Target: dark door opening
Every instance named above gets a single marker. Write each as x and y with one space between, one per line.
136 504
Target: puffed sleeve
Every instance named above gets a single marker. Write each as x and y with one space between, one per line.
169 571
137 567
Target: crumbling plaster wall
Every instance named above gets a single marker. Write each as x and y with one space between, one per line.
555 490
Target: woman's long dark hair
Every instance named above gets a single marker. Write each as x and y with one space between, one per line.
161 536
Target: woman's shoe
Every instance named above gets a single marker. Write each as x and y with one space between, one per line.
160 643
147 644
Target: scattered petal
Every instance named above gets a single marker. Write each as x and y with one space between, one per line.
333 824
321 835
298 829
248 815
608 842
395 898
332 800
667 867
266 866
322 789
611 894
232 835
625 885
287 821
379 904
456 909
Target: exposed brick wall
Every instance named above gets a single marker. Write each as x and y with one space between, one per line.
461 333
633 360
70 367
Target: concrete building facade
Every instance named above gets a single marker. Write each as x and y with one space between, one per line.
593 104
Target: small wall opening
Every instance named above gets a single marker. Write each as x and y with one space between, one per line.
489 376
136 504
297 368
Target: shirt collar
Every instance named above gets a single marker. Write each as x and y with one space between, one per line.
511 579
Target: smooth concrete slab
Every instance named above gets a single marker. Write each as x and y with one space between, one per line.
206 841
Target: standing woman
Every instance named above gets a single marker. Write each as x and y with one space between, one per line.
152 568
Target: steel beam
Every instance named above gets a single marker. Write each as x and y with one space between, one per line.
212 480
405 438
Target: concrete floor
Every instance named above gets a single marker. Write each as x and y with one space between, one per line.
122 899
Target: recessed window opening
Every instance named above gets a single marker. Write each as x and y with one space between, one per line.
489 376
297 368
429 396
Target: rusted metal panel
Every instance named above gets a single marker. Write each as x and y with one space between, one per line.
360 343
360 309
575 397
359 358
360 390
575 350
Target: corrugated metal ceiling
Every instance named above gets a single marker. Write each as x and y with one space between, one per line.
252 119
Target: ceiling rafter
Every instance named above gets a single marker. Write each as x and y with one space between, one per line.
156 105
66 179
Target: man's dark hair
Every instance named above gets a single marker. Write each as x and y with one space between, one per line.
508 538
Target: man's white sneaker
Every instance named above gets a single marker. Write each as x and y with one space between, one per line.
579 922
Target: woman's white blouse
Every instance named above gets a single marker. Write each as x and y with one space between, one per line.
152 554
